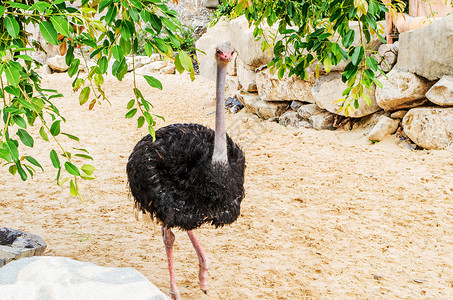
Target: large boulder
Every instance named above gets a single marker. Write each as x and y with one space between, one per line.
402 89
329 88
50 277
428 51
213 38
247 76
430 127
15 244
261 108
244 42
441 93
271 88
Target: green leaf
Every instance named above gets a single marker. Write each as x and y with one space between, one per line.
83 156
71 168
19 121
130 104
12 169
327 63
111 14
140 122
72 137
21 171
24 57
2 10
357 55
12 149
131 113
136 3
74 67
43 134
12 74
146 15
88 169
348 38
148 49
372 63
152 132
48 32
62 25
186 61
25 138
156 23
54 158
153 82
34 162
73 189
117 52
103 64
134 14
55 128
12 26
84 95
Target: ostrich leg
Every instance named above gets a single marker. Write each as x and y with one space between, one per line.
169 239
203 261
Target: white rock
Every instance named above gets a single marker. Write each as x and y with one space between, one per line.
430 127
244 42
385 126
441 93
44 70
402 89
428 51
308 110
232 69
322 120
263 109
169 69
329 88
246 76
271 88
214 37
210 3
232 86
137 62
151 67
57 63
54 278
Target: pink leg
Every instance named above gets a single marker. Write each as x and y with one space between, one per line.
169 239
203 261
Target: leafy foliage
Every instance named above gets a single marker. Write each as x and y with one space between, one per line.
103 30
317 34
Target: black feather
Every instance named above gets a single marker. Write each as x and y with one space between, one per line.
174 180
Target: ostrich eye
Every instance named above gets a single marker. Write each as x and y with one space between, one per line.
218 51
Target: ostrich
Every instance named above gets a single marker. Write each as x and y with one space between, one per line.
190 175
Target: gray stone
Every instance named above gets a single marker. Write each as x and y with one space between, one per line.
322 121
402 89
308 110
329 88
428 51
210 3
263 109
271 88
48 277
296 104
430 127
385 126
441 93
246 76
292 118
15 244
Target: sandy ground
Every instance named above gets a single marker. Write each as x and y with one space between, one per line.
325 215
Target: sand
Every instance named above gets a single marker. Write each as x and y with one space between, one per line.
326 214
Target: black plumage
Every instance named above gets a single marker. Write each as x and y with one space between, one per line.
174 180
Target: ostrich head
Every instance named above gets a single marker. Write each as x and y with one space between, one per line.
224 53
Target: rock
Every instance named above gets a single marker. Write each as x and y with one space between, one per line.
308 110
151 67
390 58
232 86
385 126
169 69
137 62
44 70
441 93
57 63
263 109
430 127
210 3
377 276
15 244
428 51
322 121
399 114
296 104
49 277
249 50
270 88
213 37
246 76
402 89
330 87
233 104
232 69
292 118
384 48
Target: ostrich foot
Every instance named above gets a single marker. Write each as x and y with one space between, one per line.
203 261
169 239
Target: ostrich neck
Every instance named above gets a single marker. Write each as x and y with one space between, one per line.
220 144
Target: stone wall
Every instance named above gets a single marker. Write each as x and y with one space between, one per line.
415 102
